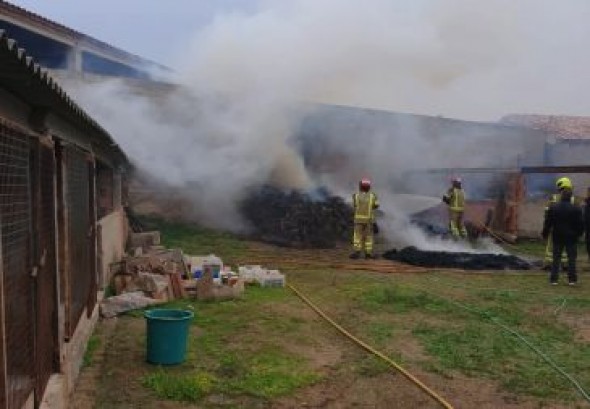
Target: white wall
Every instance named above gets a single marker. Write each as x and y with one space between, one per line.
114 239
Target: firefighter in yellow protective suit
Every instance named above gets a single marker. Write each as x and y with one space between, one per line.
365 203
455 200
560 184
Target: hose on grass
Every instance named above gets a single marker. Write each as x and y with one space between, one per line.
545 357
560 307
372 350
507 290
492 289
521 338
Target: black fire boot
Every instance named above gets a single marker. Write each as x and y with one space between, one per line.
356 255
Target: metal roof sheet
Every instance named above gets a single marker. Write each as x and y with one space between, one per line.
30 82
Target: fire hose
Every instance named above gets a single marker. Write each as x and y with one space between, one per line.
416 381
496 321
372 350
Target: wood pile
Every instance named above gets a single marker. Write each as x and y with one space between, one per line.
298 219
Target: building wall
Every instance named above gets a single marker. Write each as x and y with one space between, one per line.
113 231
565 152
74 349
67 132
572 153
530 218
385 145
61 385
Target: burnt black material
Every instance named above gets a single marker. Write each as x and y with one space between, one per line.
298 219
466 261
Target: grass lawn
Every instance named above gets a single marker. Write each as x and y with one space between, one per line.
270 350
537 248
229 357
197 240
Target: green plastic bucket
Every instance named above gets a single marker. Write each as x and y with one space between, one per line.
167 334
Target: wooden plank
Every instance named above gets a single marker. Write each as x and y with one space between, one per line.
177 286
183 293
170 288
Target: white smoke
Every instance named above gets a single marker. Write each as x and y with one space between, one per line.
244 76
458 58
398 232
212 148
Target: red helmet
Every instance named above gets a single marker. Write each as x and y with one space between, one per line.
365 184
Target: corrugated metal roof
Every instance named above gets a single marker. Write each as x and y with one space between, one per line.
30 82
16 11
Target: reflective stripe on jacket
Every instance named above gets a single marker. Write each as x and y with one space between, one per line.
364 205
456 199
556 198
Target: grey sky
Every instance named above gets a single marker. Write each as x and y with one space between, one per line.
154 29
460 58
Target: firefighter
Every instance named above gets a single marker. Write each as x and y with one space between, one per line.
455 200
365 203
564 225
561 184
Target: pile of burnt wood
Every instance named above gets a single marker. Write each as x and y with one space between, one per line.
293 218
466 261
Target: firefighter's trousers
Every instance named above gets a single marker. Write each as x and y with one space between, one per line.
549 253
362 239
456 225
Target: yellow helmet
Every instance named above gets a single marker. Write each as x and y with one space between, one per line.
564 183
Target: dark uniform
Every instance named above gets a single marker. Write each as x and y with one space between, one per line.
548 262
564 222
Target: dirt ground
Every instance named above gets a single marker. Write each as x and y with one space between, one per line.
349 376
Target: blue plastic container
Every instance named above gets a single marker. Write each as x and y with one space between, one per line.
167 334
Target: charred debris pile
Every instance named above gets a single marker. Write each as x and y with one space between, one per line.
466 261
314 219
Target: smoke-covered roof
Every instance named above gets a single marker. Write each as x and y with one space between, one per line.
562 126
23 77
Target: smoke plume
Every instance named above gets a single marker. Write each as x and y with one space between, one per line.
248 81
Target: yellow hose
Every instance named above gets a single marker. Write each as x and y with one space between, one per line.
372 350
